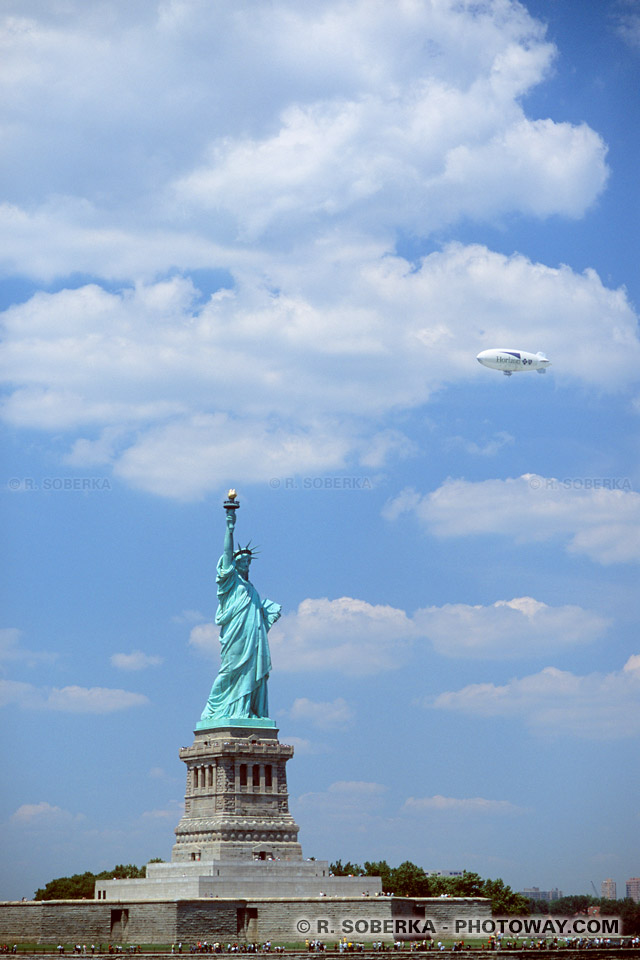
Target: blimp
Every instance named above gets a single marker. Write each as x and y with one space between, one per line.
513 361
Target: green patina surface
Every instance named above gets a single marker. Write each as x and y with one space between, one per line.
239 693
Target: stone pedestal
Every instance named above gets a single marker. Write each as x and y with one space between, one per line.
237 837
236 801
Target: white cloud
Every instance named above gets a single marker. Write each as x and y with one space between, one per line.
466 806
42 814
9 643
11 649
61 238
558 703
136 660
205 637
188 616
168 814
357 788
93 700
626 17
538 167
357 638
384 162
305 747
346 634
592 516
488 448
72 699
22 694
446 139
356 120
175 397
186 458
325 715
343 104
507 628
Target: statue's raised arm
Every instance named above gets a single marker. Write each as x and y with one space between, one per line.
227 549
240 689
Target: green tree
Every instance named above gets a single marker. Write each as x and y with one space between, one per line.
80 886
504 901
379 868
468 885
576 903
338 869
77 887
628 911
408 880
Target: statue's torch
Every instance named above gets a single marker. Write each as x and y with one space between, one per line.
231 503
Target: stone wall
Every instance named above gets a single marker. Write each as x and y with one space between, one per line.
278 920
87 921
21 922
169 921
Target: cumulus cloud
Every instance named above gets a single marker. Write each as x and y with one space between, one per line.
507 628
625 15
11 649
205 637
328 161
346 634
24 695
358 639
71 699
42 814
383 97
136 660
554 702
459 805
487 448
93 700
188 616
306 747
593 517
168 814
402 117
325 715
176 396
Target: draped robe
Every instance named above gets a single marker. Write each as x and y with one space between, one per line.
240 689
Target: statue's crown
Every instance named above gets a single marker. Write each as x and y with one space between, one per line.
247 551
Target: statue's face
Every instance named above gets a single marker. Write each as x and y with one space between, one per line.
242 564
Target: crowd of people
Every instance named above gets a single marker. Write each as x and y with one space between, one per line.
497 944
203 946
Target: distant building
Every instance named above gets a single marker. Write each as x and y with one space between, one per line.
608 889
535 893
633 889
444 873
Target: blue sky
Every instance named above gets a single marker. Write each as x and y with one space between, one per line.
260 245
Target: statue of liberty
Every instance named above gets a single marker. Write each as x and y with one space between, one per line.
240 689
